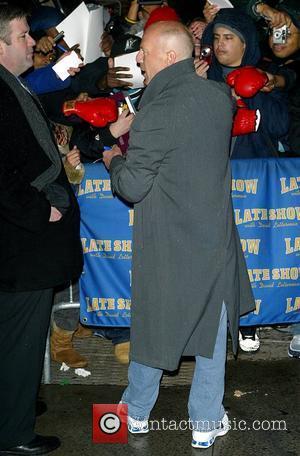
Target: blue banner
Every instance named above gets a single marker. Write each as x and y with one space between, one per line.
106 234
266 200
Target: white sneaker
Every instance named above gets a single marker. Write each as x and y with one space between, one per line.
294 348
137 426
249 343
207 439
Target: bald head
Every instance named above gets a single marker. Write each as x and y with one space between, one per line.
172 36
164 44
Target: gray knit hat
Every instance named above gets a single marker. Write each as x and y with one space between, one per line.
232 29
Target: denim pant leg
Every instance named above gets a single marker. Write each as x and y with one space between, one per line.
120 335
295 329
67 319
116 334
142 390
207 390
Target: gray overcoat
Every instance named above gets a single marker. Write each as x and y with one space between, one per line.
187 256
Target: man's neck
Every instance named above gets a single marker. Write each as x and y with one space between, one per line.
228 69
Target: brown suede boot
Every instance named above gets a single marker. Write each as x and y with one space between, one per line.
82 332
62 350
122 352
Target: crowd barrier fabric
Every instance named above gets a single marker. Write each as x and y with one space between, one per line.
266 200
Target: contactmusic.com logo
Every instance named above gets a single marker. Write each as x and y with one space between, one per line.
110 423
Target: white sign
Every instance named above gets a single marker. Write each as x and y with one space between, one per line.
129 60
69 61
84 26
221 3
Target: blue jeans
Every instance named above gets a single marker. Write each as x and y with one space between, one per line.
295 329
206 395
117 334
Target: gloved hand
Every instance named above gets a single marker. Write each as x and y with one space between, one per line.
96 111
247 81
245 120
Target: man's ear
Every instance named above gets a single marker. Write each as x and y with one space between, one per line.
1 47
171 57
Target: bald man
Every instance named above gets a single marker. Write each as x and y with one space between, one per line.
188 272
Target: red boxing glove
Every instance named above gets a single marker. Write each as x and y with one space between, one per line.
245 120
97 111
247 81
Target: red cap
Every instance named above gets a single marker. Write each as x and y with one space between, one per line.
165 13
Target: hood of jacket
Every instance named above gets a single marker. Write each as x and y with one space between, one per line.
241 22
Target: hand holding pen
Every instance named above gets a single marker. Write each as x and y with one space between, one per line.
47 44
64 47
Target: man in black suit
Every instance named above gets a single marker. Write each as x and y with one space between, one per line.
39 238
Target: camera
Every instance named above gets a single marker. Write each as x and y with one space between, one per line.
150 2
206 53
280 35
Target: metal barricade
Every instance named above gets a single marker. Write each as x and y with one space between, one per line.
59 306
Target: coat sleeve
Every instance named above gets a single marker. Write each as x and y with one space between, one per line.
132 178
45 80
294 132
274 111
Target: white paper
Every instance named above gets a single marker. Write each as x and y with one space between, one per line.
221 3
64 367
69 61
129 61
84 26
92 48
82 372
75 27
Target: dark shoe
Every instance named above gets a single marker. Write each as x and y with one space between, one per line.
39 445
40 408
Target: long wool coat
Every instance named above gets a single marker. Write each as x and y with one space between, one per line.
34 253
187 256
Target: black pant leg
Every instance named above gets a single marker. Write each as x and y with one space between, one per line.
24 321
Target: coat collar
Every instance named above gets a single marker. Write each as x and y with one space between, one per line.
39 125
164 78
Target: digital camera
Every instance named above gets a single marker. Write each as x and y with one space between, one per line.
206 53
280 35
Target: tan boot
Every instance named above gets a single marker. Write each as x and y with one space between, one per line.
122 352
82 332
62 350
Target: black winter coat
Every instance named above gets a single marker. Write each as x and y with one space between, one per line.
34 253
